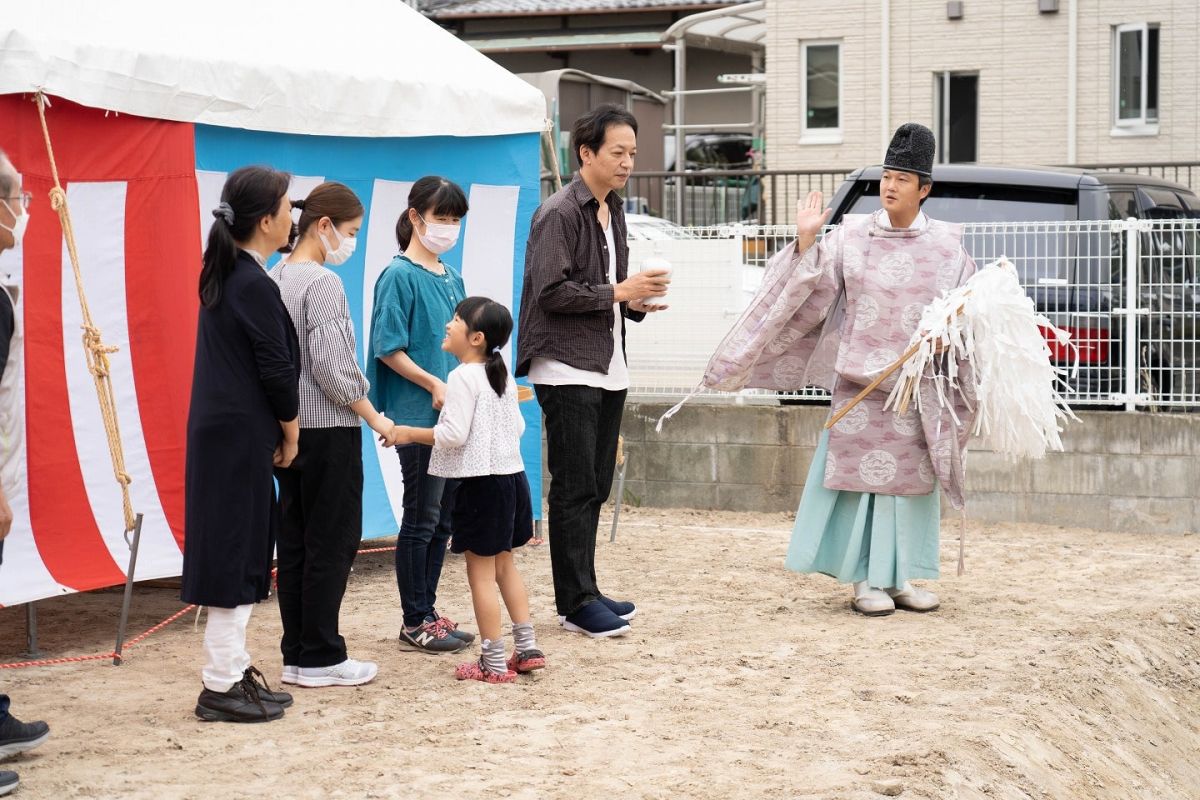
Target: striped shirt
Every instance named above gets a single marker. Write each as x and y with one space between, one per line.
330 379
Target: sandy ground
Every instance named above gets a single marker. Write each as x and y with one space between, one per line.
1065 664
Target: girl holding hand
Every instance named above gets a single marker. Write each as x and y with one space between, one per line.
477 441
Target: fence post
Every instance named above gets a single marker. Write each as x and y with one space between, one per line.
1132 262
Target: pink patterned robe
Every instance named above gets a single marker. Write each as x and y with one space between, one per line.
837 315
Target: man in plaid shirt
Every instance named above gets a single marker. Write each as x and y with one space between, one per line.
576 297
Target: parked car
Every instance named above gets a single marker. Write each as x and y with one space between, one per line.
1078 279
643 226
715 151
721 184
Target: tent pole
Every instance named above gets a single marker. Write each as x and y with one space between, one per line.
133 554
31 637
555 167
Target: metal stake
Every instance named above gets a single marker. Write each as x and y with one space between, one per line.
31 637
612 537
133 554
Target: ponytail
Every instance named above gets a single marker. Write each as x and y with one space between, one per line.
249 194
495 323
496 371
219 256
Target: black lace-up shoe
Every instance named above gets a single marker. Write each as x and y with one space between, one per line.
242 703
259 682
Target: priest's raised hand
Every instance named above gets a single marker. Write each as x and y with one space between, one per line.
810 218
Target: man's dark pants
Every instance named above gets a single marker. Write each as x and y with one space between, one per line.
582 426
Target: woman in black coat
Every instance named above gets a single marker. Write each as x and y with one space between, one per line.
241 423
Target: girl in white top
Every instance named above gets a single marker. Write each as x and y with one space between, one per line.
477 440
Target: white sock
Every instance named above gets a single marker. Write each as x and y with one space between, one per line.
492 656
523 636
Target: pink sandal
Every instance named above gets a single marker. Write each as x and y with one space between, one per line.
526 661
474 671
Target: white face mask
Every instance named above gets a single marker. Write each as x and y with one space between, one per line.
340 254
19 224
438 238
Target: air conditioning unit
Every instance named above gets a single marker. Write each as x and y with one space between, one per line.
954 9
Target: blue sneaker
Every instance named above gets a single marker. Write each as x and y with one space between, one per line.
8 781
595 620
622 609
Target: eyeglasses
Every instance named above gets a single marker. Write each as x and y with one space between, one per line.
24 197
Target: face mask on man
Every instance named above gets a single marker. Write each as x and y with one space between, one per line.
20 223
345 247
438 237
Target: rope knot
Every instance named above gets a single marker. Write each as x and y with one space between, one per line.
58 198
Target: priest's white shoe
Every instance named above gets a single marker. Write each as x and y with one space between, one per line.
911 598
871 602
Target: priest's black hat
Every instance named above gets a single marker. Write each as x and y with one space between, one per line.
911 150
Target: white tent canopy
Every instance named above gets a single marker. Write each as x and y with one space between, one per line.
367 68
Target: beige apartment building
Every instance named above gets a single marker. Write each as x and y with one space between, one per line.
999 81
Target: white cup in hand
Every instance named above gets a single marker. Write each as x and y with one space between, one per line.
655 263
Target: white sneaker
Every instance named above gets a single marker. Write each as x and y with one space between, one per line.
871 602
290 674
347 673
911 598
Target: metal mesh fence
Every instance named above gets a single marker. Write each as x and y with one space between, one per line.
1128 291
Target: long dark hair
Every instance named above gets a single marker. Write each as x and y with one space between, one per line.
488 317
250 194
330 199
432 193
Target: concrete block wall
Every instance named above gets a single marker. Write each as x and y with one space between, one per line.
1123 472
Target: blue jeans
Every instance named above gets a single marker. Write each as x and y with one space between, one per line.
424 533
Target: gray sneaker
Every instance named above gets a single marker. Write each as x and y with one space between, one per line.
430 637
19 737
8 781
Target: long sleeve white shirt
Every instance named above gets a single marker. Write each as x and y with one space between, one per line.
478 432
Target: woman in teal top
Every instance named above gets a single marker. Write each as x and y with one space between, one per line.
415 298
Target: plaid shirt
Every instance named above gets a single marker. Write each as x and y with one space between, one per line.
567 302
330 379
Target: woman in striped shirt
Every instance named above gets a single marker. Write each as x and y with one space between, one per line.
320 494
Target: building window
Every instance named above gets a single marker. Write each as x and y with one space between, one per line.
1135 78
821 104
956 109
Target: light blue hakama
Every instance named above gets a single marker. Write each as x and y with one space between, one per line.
853 536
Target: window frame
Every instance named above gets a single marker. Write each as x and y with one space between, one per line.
821 135
1140 125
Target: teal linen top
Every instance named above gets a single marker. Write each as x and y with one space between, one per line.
412 307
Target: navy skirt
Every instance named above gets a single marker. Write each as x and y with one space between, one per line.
492 514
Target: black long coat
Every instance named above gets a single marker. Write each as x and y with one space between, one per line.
245 382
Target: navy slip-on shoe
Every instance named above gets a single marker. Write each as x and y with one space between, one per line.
595 620
621 608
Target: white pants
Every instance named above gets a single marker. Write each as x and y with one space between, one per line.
225 647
